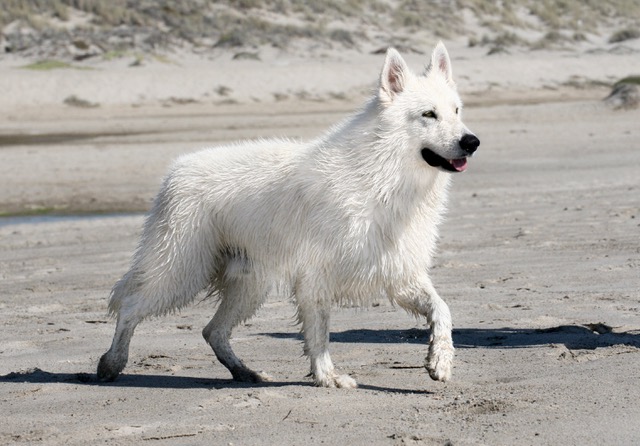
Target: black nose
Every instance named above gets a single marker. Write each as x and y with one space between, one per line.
469 143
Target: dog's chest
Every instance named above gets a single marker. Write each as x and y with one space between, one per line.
372 250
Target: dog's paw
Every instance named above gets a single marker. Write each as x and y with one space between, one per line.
109 368
249 376
106 373
345 382
264 377
439 361
334 380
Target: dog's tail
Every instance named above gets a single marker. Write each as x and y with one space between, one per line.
175 260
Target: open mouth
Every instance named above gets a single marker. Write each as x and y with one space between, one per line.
435 160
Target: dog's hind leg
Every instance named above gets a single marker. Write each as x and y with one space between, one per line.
314 313
422 300
174 262
240 299
132 301
114 360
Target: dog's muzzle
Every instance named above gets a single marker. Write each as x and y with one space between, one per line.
468 144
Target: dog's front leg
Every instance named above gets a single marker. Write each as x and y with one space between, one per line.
423 300
314 314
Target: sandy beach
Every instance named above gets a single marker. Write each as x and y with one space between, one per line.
539 260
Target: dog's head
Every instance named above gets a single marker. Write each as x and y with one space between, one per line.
428 109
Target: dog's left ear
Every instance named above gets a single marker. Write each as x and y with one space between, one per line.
440 61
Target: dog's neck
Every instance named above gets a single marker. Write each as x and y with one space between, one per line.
370 164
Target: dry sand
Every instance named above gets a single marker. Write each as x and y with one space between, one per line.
539 262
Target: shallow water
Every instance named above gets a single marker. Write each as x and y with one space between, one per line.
44 219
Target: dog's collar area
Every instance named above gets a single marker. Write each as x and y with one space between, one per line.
435 160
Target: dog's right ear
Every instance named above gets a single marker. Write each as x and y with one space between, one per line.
441 62
393 77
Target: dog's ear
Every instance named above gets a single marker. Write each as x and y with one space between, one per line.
393 77
440 61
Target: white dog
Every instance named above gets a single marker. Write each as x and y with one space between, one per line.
347 217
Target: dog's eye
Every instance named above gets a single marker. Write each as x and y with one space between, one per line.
457 110
430 114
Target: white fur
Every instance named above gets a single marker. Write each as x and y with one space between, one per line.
347 217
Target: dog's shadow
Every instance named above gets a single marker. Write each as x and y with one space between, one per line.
38 376
587 336
124 380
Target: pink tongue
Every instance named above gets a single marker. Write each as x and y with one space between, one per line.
460 164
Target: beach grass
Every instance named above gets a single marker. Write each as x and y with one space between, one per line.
52 64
